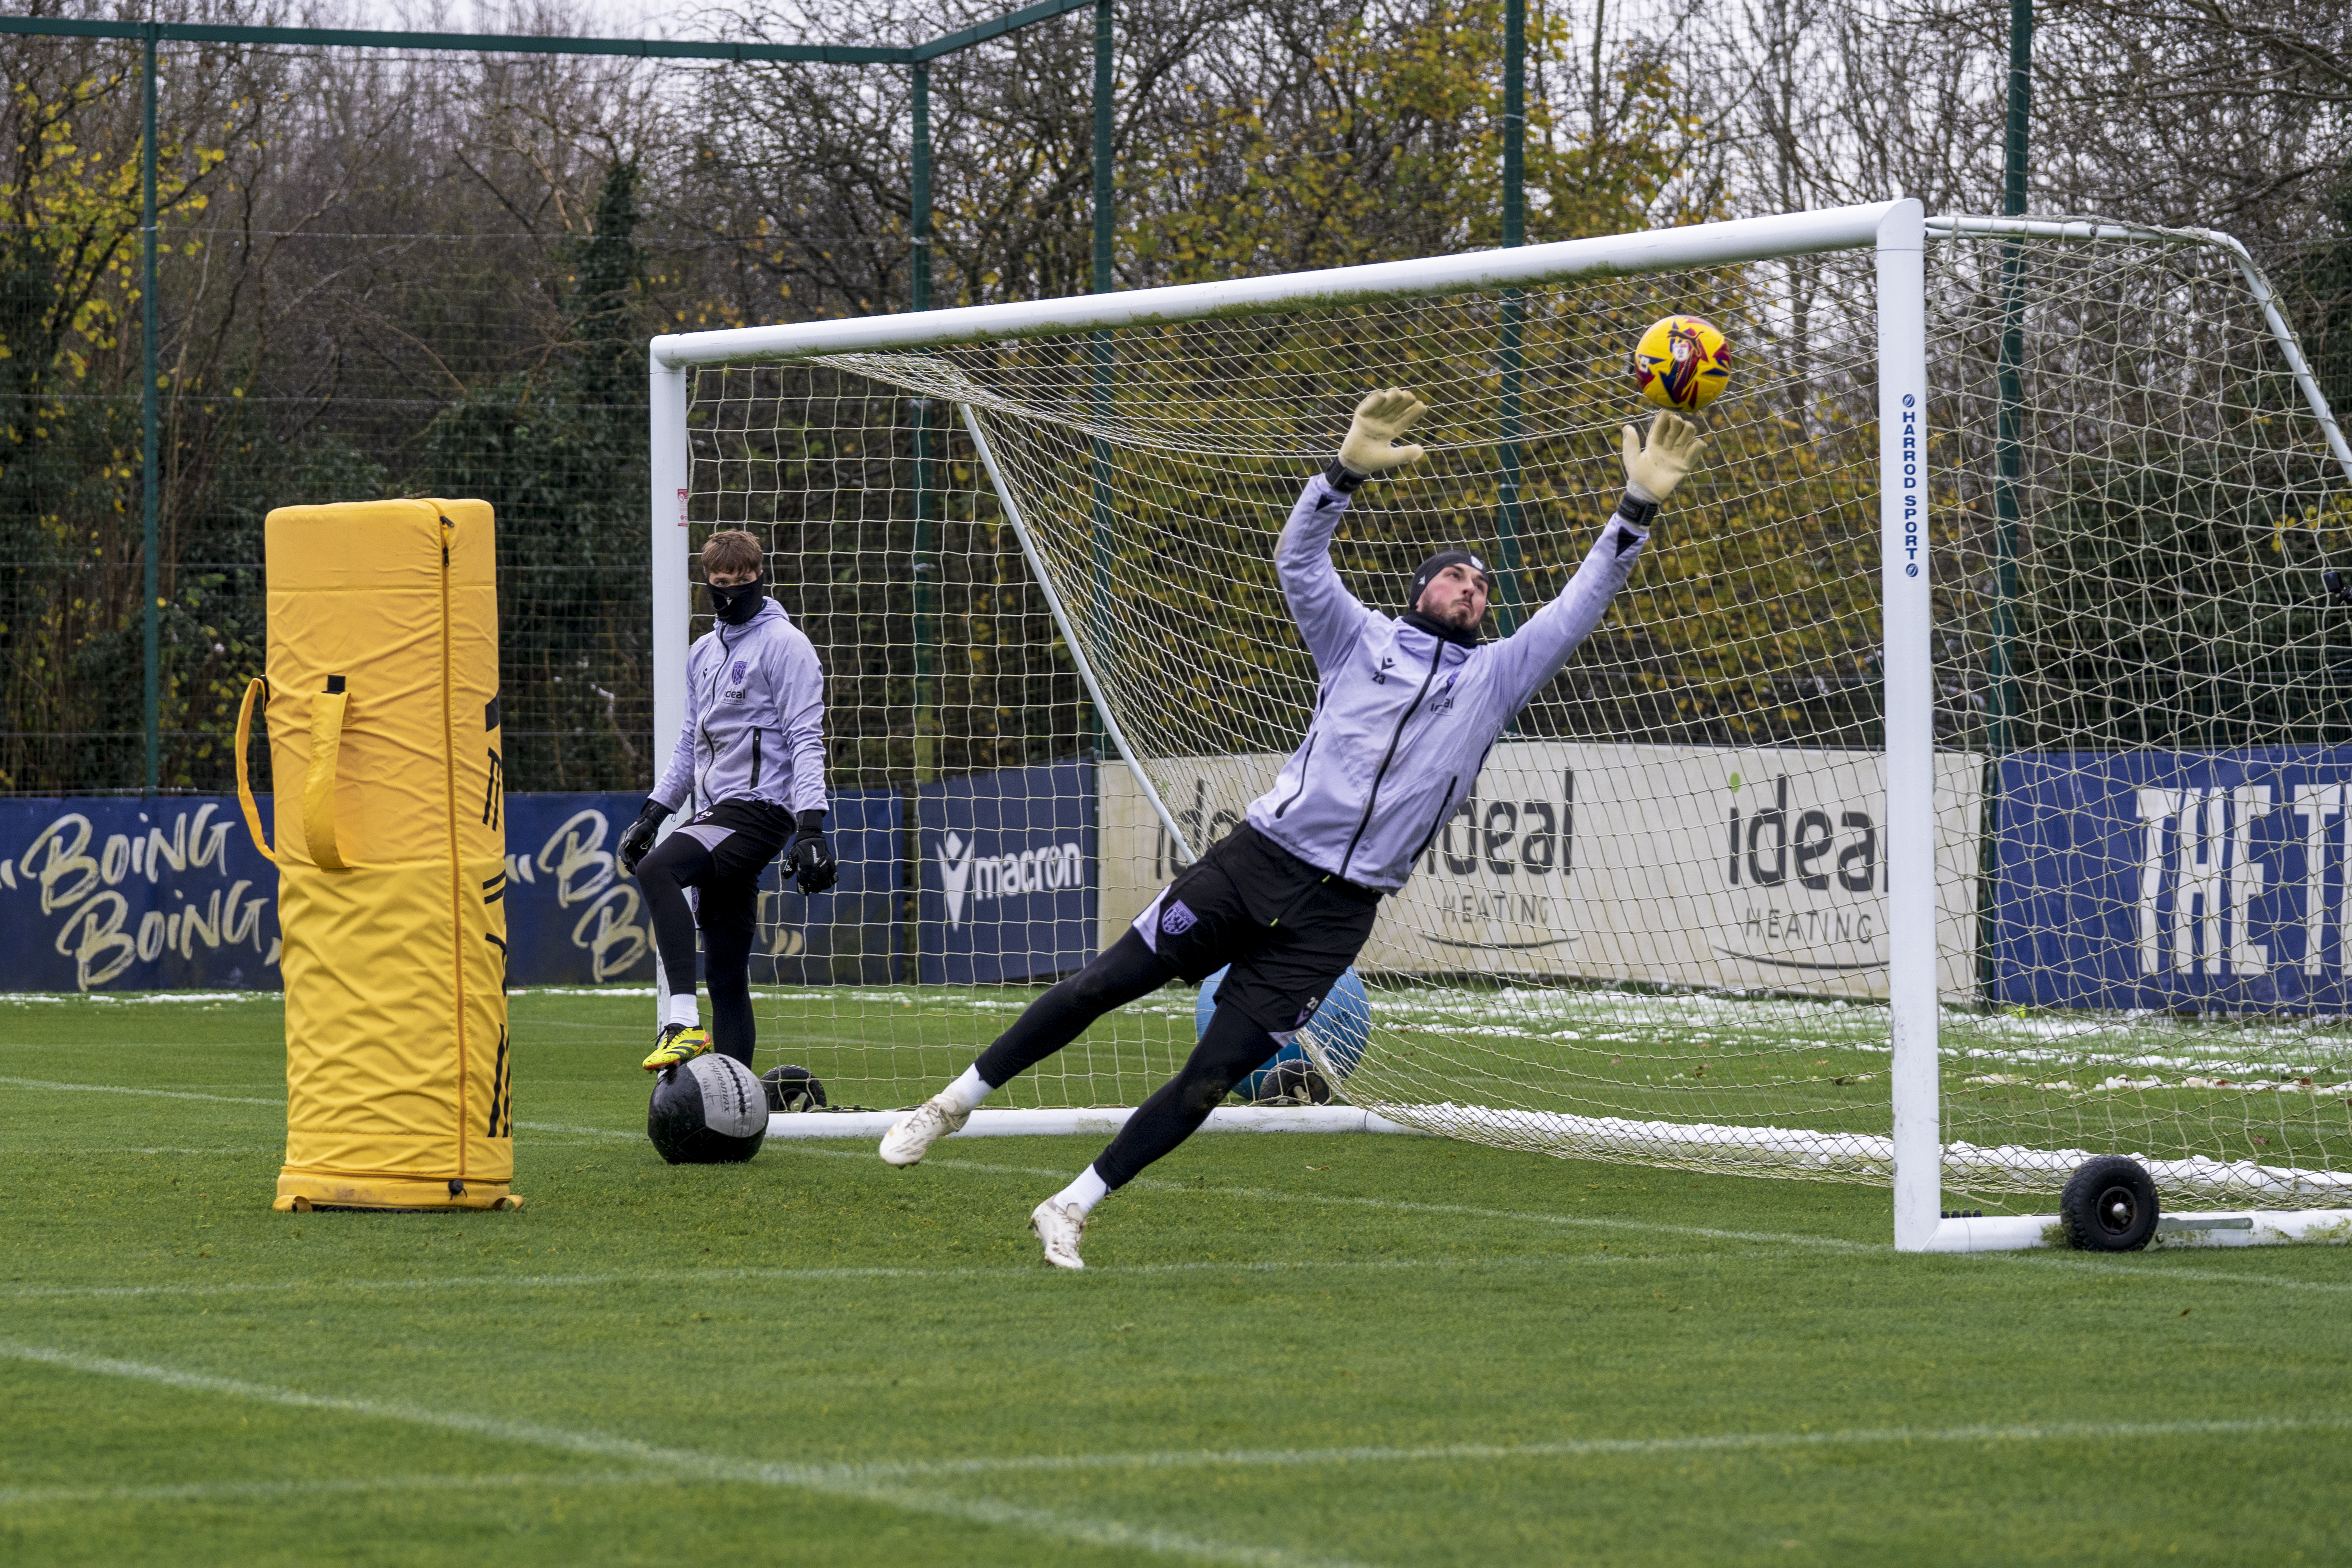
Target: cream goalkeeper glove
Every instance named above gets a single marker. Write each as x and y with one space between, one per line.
1381 420
1652 472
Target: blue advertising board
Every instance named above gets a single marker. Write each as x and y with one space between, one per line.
2191 881
135 895
170 894
1008 879
572 916
849 936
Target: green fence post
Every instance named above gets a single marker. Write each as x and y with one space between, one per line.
151 631
2001 696
1104 351
925 568
2009 441
1103 82
919 194
1514 316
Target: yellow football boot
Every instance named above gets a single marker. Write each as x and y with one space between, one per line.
677 1043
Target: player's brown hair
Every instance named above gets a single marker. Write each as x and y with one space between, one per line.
731 550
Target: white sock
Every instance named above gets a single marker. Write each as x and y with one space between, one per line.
1086 1192
968 1091
681 1009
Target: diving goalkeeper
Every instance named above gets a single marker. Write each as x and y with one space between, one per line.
1407 709
751 756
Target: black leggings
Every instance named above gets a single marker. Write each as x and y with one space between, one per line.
729 918
1125 971
1232 1047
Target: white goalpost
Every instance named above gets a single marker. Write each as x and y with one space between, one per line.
1959 793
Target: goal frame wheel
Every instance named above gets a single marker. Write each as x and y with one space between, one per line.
2109 1205
792 1090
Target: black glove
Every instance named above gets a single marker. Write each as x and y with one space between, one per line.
810 856
638 838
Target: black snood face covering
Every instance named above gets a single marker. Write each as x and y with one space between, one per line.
735 606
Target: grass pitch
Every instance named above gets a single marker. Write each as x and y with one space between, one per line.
1289 1350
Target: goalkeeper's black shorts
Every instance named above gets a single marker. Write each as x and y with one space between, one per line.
741 834
1288 928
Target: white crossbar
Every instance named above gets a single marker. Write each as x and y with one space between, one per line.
1654 250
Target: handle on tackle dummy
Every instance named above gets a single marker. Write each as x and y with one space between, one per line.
318 787
259 687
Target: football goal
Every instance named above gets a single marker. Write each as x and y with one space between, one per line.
1957 794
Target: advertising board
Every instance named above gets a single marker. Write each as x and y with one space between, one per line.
1007 881
1723 868
2180 881
168 894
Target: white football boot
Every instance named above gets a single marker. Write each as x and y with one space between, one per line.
911 1136
1061 1228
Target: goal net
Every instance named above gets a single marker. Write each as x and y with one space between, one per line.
1033 545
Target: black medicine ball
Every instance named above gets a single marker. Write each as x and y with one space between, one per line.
707 1112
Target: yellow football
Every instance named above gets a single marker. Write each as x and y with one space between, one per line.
1682 362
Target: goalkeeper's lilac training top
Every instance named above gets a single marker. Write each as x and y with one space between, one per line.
754 719
1403 720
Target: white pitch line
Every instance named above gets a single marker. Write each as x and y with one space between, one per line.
2159 1274
870 1481
846 1481
1604 1447
182 1291
1395 1206
321 1485
1822 1243
794 1277
248 1099
127 1088
70 1152
1148 1183
228 1149
82 1046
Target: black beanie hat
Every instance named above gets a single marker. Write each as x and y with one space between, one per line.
1438 563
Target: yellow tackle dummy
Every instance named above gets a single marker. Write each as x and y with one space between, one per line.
382 698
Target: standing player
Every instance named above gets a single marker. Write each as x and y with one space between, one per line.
1407 709
752 757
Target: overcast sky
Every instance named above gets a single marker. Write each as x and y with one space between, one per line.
604 18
